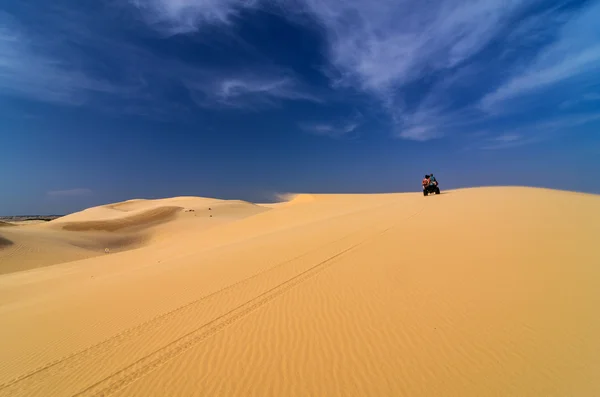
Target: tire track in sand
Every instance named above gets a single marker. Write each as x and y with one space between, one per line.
40 374
164 317
149 363
146 364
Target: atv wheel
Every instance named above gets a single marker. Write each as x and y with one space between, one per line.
437 190
425 193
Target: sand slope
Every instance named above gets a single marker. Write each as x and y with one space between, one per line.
476 292
115 227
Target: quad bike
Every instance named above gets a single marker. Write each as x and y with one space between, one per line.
430 189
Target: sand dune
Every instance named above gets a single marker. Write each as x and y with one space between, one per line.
114 228
144 218
475 292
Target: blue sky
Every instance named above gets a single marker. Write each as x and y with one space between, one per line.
107 100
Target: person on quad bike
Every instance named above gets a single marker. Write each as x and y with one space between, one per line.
432 180
425 181
430 185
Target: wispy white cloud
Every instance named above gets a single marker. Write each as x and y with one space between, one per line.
381 49
247 91
330 130
381 46
185 16
52 69
591 97
385 47
546 74
373 47
498 144
575 55
538 131
231 89
508 138
435 115
29 69
586 98
341 128
77 192
422 62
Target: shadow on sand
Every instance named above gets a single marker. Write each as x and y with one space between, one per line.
5 242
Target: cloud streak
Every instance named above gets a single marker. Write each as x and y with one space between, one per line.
384 50
344 128
384 46
255 91
28 69
330 130
62 66
435 69
77 192
575 55
537 132
185 16
585 98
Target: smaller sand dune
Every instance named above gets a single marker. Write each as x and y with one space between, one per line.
5 224
181 201
141 214
141 219
114 228
121 210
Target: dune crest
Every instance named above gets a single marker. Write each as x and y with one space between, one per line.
139 219
114 228
475 292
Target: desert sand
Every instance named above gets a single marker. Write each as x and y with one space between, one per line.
474 292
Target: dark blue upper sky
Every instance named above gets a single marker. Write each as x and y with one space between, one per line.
107 100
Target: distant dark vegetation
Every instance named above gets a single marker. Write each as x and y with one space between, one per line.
20 218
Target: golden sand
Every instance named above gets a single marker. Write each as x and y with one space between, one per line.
475 292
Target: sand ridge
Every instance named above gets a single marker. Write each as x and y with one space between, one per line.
476 292
113 228
144 218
